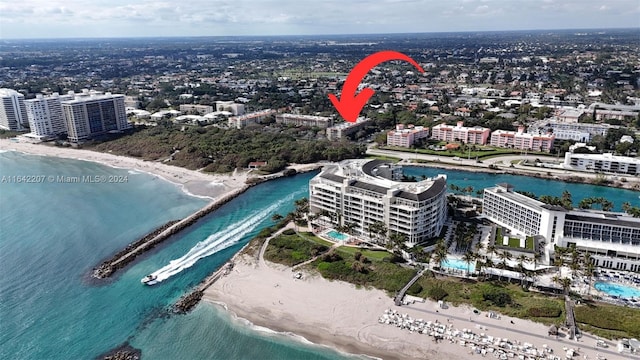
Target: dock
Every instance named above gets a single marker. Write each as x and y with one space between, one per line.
128 255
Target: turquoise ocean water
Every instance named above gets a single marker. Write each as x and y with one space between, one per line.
52 234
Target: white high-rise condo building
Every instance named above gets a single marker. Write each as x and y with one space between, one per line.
45 114
13 113
361 193
90 114
612 239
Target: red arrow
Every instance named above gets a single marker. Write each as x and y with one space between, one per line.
350 104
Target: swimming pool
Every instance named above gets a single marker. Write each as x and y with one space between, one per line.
620 290
337 235
458 264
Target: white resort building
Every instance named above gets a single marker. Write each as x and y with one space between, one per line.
363 192
612 239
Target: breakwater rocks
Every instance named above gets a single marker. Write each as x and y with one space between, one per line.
126 256
108 267
187 302
123 352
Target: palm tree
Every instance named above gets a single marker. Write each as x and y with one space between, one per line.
277 217
491 250
536 257
468 257
521 260
589 269
504 256
440 253
558 259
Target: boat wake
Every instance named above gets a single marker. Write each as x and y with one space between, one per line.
221 240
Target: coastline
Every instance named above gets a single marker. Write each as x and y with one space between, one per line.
341 316
193 183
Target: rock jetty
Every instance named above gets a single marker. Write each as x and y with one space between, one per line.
126 256
122 352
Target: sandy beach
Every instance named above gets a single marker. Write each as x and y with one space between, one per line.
339 315
195 183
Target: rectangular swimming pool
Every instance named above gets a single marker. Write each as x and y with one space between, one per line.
453 263
337 235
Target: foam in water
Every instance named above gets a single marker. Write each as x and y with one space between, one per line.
221 240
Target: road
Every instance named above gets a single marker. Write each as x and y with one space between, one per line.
503 163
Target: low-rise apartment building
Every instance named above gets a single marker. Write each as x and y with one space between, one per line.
344 129
607 163
521 140
322 122
469 135
405 136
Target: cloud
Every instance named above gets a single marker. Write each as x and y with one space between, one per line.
65 18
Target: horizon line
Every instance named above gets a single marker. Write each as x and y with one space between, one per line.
315 35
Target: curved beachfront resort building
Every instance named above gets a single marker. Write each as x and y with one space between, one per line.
363 194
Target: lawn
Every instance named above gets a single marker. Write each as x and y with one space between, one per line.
522 304
609 321
292 249
370 254
480 153
513 242
312 237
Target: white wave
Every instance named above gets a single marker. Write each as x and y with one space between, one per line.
221 240
133 172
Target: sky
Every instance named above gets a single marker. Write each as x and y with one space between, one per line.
142 18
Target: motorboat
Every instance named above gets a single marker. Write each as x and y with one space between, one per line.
149 279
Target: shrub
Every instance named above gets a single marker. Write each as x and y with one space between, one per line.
437 292
546 311
394 259
415 289
497 296
289 232
357 255
332 257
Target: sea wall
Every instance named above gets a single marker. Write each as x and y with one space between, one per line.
149 241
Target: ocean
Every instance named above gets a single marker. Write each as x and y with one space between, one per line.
52 234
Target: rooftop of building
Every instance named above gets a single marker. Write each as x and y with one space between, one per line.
603 217
309 117
361 173
4 92
253 114
91 96
607 157
507 191
347 124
